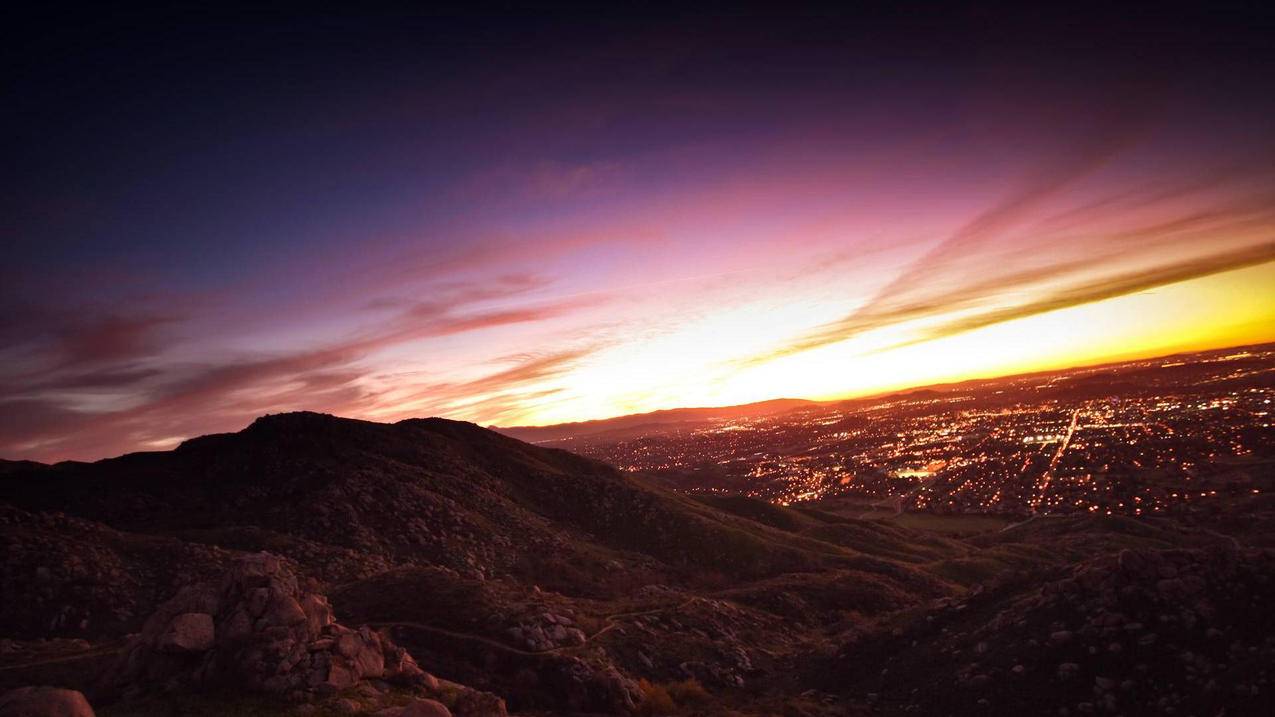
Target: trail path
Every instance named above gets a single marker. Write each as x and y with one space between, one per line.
613 621
84 655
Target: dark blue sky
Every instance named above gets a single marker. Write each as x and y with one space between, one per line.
190 190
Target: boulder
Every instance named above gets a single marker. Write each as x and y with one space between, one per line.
317 611
187 633
257 630
473 703
424 708
284 610
44 702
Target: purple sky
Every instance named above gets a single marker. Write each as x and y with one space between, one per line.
522 218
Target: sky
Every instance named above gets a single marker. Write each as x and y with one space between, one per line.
522 218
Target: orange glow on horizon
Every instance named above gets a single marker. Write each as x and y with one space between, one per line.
1229 309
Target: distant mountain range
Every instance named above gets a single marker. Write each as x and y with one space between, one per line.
632 425
642 421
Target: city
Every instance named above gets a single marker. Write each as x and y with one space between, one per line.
1174 435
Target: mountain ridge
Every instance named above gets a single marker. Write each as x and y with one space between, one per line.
554 581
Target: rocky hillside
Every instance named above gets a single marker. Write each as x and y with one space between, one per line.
563 586
1139 632
350 498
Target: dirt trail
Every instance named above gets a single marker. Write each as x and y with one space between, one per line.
613 621
84 655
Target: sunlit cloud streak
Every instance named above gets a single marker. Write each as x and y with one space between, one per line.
1107 288
222 396
754 209
976 268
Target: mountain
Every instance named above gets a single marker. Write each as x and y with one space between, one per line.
424 522
564 586
644 422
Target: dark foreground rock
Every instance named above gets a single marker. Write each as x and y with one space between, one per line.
1144 631
44 702
259 630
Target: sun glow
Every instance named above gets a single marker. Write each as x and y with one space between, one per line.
698 364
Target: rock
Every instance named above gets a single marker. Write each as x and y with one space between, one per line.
472 703
284 610
1133 563
339 676
346 706
263 633
257 600
424 708
187 633
44 702
317 611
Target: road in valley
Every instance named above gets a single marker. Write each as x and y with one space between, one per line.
1048 475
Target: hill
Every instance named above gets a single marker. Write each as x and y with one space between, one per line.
620 426
383 516
552 581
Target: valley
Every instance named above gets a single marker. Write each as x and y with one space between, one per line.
559 585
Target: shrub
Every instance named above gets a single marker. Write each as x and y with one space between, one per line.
687 692
668 698
655 699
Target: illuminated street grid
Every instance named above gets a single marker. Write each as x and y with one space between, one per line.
1144 438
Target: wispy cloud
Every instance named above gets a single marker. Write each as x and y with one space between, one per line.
495 396
167 401
1109 287
1020 258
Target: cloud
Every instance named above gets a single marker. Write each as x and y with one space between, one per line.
110 338
1114 134
550 180
1106 288
170 401
59 339
1065 257
111 378
495 396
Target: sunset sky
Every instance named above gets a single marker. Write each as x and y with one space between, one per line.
526 219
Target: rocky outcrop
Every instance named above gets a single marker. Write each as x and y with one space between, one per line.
420 708
67 577
546 631
585 686
44 702
1179 631
258 630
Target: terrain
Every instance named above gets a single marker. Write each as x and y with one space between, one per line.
1171 435
645 423
565 586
